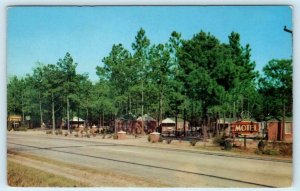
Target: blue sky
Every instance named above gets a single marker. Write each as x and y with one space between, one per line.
45 34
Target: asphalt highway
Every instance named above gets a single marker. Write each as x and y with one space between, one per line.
174 168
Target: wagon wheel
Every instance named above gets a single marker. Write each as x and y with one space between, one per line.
245 115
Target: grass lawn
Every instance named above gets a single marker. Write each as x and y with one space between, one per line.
23 176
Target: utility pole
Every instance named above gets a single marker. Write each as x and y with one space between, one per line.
283 107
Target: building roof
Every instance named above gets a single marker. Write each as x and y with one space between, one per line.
168 120
145 117
75 119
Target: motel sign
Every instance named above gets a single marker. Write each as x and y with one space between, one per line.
244 127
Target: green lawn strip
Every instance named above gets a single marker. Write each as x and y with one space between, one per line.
22 176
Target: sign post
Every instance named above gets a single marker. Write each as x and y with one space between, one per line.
245 146
244 128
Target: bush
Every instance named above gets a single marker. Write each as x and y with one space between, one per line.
115 136
227 145
9 128
193 142
22 128
286 150
261 145
49 132
160 139
149 138
169 141
219 140
58 132
270 152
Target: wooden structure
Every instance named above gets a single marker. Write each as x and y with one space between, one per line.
275 130
14 121
168 127
76 122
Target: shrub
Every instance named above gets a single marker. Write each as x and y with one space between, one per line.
270 152
258 152
9 128
286 150
22 128
227 145
149 138
261 145
115 136
49 132
103 137
193 142
160 139
219 140
169 141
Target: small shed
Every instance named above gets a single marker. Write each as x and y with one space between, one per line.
14 121
168 127
76 121
181 125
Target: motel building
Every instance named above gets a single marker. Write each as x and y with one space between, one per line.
271 130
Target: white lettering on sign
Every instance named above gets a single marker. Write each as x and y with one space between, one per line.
246 128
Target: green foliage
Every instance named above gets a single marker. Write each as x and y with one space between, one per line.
227 145
276 87
270 152
200 79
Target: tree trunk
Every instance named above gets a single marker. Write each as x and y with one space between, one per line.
283 121
68 114
41 112
142 106
176 125
160 106
53 113
87 116
103 118
23 113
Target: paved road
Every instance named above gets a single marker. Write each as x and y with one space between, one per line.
173 168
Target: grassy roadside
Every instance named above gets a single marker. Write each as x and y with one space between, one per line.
90 176
23 176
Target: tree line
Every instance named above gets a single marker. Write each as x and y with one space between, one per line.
199 80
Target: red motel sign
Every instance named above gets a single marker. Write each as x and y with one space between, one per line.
244 127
